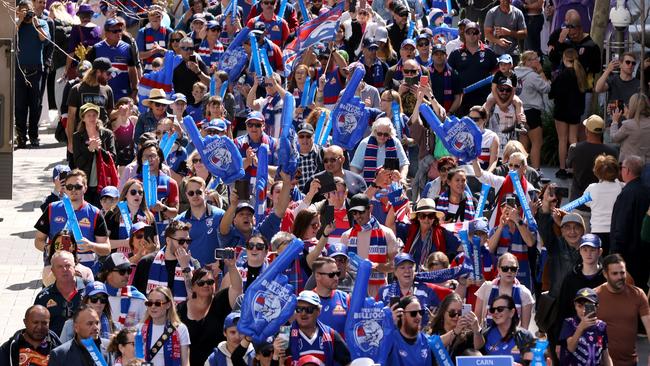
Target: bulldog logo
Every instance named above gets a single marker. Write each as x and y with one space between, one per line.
368 334
266 306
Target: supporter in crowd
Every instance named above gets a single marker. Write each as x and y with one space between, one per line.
425 235
635 130
604 194
122 347
86 326
408 337
620 86
34 343
456 328
96 298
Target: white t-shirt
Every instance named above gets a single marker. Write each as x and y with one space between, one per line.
483 293
136 314
603 195
157 331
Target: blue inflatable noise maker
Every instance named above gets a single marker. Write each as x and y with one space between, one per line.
72 222
287 153
233 60
363 325
577 202
218 153
477 85
269 302
519 191
461 137
350 117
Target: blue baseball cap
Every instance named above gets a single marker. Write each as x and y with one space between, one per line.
213 24
58 170
94 288
309 297
230 320
254 115
111 22
408 42
403 257
478 225
110 191
587 294
337 249
216 124
590 240
505 59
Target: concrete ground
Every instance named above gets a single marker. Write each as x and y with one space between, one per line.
21 263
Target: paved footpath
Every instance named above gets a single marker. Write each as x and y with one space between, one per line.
20 262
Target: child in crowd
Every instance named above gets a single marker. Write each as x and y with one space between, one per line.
200 95
108 198
222 355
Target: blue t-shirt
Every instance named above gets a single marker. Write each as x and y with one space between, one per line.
204 233
121 58
269 226
29 45
495 346
589 351
402 353
334 310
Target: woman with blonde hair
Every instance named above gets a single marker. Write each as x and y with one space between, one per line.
633 133
372 152
511 147
163 325
603 196
568 92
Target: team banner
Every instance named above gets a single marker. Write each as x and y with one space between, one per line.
350 118
461 137
270 301
218 153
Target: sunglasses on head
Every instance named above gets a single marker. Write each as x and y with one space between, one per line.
498 309
512 269
429 216
74 187
409 71
251 125
202 283
98 299
383 134
415 313
331 274
197 192
454 313
306 309
258 246
156 303
136 192
183 241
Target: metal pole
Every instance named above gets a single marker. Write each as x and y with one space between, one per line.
642 20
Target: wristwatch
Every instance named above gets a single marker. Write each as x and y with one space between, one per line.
187 270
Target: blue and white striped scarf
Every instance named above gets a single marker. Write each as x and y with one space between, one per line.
158 277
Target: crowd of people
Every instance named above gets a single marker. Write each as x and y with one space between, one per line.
168 246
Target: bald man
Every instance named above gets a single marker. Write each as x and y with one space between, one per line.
334 160
73 352
32 344
572 35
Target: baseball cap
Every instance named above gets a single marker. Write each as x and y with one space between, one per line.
337 249
84 66
58 170
213 24
138 226
94 288
359 202
590 240
198 17
156 9
438 47
259 28
309 359
587 294
370 44
244 206
216 124
435 13
103 64
401 10
505 59
179 97
407 42
401 258
116 261
110 191
306 128
381 34
478 225
309 297
505 82
572 217
88 107
111 22
230 320
85 8
594 124
472 25
254 115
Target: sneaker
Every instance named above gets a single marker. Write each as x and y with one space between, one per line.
562 174
20 143
35 142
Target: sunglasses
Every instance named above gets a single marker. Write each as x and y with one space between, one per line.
187 49
304 136
423 44
331 274
628 62
256 125
355 213
139 235
258 246
475 119
122 272
445 169
429 216
173 40
266 353
498 309
196 161
183 241
512 269
202 283
136 192
306 309
472 33
116 31
198 192
409 71
74 187
383 134
157 303
98 299
454 313
330 160
415 313
505 90
568 26
514 166
268 2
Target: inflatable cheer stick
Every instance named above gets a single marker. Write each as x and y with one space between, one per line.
519 190
72 223
360 286
255 55
439 351
139 345
213 85
411 30
312 92
223 89
126 216
352 85
260 181
462 138
577 202
169 143
485 189
477 85
326 133
268 69
287 154
149 195
397 119
538 352
304 99
319 127
303 9
476 257
93 350
281 9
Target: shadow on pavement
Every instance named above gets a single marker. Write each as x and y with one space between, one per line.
32 285
25 234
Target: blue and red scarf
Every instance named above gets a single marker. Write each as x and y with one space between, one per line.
171 346
377 248
125 294
158 277
370 157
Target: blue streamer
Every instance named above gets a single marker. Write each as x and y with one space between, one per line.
439 351
519 190
169 143
477 85
577 202
223 89
72 222
94 352
397 119
485 189
126 216
304 99
255 55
